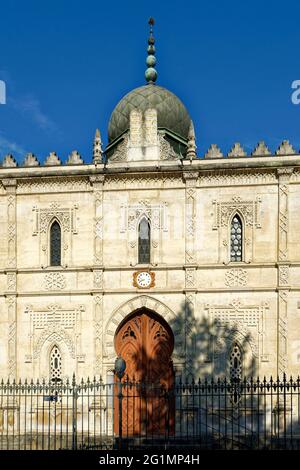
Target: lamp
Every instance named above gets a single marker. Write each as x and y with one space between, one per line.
120 367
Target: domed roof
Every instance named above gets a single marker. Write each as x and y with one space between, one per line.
171 112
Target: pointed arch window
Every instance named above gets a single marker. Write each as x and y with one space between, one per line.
55 365
235 371
236 239
55 244
144 242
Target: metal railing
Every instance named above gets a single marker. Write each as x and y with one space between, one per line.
207 414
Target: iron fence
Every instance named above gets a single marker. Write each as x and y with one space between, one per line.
203 414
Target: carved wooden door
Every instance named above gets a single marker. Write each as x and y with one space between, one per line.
145 341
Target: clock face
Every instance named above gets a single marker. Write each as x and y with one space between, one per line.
143 279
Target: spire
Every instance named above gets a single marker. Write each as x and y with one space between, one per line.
151 73
191 146
97 150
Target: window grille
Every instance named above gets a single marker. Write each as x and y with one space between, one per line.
236 239
55 365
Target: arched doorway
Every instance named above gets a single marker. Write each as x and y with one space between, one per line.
146 342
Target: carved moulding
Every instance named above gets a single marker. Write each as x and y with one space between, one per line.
43 218
55 324
232 178
161 180
239 319
120 153
54 281
236 277
223 211
132 214
53 185
166 150
131 306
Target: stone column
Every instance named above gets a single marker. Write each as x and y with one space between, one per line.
283 267
10 186
97 182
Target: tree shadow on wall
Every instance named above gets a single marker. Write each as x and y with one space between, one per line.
207 344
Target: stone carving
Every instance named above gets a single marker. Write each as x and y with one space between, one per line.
283 275
53 185
285 148
11 281
230 178
142 181
98 279
52 159
53 334
245 318
134 304
150 127
131 215
97 182
237 151
282 331
190 281
236 277
120 153
190 178
10 186
65 216
213 152
12 340
31 160
261 149
284 177
166 150
55 323
75 159
98 333
54 281
9 161
223 211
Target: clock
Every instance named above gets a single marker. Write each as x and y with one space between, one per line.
143 279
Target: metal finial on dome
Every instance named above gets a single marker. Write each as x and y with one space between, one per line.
151 73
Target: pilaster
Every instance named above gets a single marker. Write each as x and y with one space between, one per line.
283 267
10 186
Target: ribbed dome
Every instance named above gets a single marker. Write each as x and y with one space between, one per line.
171 112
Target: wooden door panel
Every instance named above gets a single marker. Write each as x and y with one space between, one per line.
146 344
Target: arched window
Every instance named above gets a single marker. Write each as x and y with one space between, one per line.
144 241
55 244
235 371
55 365
236 239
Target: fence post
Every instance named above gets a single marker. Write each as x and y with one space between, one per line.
74 413
120 367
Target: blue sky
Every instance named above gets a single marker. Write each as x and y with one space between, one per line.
66 64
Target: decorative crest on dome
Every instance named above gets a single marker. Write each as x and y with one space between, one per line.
151 73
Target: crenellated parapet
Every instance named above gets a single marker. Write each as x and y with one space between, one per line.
144 142
260 150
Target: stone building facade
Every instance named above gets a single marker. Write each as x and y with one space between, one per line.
221 262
